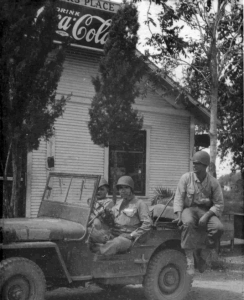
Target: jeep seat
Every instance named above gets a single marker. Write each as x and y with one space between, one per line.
156 211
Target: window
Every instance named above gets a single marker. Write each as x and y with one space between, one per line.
132 162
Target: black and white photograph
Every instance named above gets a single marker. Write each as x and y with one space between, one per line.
122 168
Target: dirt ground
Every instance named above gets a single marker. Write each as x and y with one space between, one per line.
224 281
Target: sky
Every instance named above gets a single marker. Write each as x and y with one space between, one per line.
143 6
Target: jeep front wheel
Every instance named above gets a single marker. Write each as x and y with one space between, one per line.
21 279
166 276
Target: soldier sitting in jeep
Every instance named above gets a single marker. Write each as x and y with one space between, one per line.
131 220
99 229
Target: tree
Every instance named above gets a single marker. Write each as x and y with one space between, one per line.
214 45
230 87
230 112
113 121
31 66
231 115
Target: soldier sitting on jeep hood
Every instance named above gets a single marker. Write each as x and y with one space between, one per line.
131 220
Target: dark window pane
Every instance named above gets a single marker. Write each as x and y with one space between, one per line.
130 161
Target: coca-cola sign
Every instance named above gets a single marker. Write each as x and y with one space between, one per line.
86 22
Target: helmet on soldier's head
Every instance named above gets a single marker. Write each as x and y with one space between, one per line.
125 180
103 182
201 157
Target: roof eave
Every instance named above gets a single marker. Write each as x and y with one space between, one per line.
199 111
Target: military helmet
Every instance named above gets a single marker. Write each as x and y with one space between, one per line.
201 157
103 182
125 180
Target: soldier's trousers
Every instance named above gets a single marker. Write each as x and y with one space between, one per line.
116 245
196 237
99 232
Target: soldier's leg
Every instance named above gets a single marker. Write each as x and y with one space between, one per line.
99 234
100 225
117 245
215 229
97 224
189 234
189 237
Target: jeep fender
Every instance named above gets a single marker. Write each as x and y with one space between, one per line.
39 245
158 236
157 240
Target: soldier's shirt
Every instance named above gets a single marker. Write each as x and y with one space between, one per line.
133 218
191 191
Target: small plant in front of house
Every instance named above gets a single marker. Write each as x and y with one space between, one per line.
162 196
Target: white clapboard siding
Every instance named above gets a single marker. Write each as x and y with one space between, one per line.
75 152
38 178
79 67
169 149
152 98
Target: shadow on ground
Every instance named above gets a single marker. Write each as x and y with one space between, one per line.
95 293
212 294
136 292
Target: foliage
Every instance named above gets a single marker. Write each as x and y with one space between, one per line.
233 201
231 116
230 85
162 196
211 53
31 66
232 179
233 197
113 121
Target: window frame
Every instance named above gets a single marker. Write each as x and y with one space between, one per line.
147 162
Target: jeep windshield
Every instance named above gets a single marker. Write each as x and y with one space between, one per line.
70 188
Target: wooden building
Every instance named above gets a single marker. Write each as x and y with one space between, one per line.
167 140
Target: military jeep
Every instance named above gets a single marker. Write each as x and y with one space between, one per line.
53 250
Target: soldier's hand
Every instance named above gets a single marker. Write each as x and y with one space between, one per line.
127 236
108 217
178 221
203 221
108 210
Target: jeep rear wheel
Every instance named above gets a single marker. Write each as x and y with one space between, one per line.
21 279
166 276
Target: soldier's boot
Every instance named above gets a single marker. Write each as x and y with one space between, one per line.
201 256
190 262
214 260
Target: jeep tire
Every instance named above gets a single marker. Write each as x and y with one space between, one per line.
166 276
21 279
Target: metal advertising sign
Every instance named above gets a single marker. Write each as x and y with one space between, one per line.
86 21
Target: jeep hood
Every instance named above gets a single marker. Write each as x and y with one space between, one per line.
39 229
